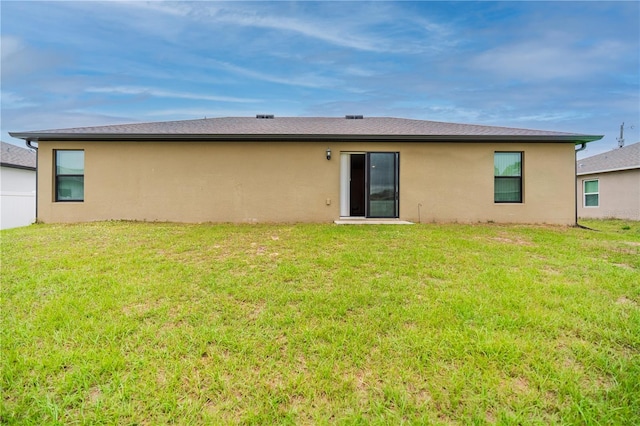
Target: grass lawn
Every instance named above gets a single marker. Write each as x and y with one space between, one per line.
154 323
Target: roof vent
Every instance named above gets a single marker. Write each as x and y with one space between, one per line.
353 117
264 115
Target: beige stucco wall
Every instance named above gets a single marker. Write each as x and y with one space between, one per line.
619 195
294 182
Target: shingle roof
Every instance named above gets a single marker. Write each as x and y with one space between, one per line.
15 156
627 157
293 127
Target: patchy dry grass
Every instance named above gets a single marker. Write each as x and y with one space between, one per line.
140 323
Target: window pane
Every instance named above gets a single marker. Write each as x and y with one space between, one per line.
508 163
70 162
382 176
507 190
591 200
590 186
70 188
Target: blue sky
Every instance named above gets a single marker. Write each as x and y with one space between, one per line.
565 66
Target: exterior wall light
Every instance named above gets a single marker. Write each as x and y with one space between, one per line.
328 153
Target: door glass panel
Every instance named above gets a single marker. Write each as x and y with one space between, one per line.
382 184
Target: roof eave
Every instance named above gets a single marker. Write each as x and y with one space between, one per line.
619 169
45 136
17 166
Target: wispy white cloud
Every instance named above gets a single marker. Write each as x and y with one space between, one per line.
347 24
10 46
306 79
548 59
148 91
551 116
190 113
305 27
20 59
167 8
12 100
45 118
359 71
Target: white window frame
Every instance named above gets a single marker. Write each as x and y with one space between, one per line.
585 193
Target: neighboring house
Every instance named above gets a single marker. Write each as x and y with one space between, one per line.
609 184
17 186
306 169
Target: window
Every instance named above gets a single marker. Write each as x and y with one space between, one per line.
507 177
69 175
591 193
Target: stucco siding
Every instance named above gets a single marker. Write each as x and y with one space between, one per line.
294 182
619 195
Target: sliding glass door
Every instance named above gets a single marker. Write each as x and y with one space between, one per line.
382 184
369 184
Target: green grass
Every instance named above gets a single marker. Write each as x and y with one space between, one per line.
613 225
153 323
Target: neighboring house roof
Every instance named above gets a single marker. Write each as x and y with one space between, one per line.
315 128
17 157
625 158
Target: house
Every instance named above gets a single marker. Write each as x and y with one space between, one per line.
17 186
608 184
306 169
